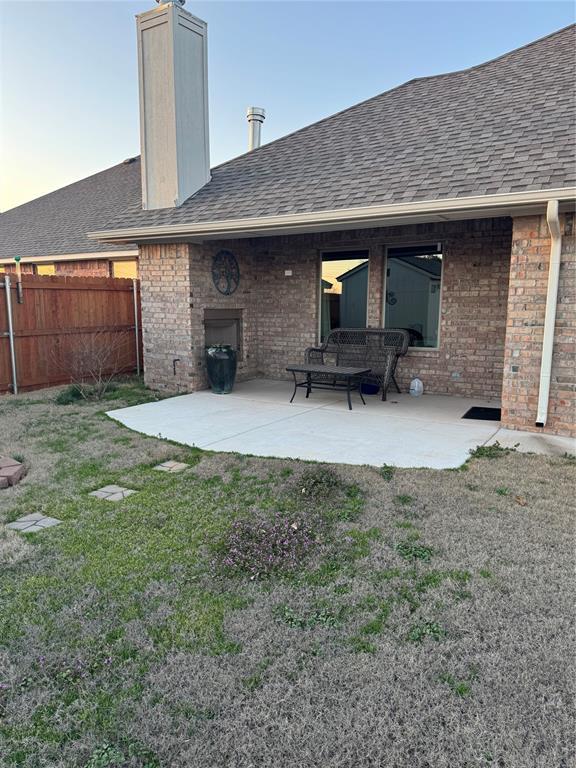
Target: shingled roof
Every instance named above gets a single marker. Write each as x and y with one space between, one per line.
503 126
57 223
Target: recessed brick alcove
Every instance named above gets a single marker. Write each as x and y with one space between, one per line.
11 471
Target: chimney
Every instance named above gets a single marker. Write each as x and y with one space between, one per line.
173 84
256 116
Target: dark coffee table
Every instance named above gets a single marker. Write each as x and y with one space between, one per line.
329 377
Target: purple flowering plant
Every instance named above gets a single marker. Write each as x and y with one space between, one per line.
260 545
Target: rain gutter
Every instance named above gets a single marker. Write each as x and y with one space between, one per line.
345 218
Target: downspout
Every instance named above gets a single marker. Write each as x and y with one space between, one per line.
550 316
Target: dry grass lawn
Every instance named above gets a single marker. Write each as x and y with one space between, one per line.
428 621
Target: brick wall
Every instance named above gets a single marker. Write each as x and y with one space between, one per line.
166 317
280 310
204 295
288 304
469 360
176 285
525 329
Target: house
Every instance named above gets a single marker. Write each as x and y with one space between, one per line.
466 181
413 287
49 233
353 305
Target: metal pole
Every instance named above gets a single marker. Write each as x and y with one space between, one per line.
136 324
19 291
11 334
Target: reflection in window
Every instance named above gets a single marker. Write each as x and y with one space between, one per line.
45 269
125 269
413 282
344 290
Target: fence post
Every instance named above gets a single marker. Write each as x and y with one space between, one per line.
136 324
11 334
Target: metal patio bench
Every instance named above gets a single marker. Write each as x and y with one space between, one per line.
374 348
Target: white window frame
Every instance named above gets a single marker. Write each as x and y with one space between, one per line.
393 246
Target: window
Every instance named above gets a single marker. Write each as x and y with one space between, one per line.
413 288
343 290
45 269
125 269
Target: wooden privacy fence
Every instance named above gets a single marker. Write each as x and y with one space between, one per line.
45 339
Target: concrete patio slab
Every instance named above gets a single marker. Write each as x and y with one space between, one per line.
257 418
534 442
213 417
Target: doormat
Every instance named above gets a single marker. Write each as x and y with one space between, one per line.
483 414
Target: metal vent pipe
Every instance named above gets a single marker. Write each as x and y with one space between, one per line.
256 116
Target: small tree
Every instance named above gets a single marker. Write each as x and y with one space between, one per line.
92 361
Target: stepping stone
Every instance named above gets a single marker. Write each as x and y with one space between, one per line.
11 471
32 518
112 493
171 466
6 461
33 523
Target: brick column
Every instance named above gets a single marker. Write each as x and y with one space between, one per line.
166 317
525 329
375 286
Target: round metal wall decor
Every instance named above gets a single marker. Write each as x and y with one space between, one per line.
225 272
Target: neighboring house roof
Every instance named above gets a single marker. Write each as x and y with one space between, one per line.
430 266
57 223
352 271
501 127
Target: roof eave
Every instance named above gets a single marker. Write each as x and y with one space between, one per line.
482 206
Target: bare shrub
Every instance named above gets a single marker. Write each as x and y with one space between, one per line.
93 360
319 482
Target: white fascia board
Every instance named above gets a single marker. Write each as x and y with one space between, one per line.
347 218
108 255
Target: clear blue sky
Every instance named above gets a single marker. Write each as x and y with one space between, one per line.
68 79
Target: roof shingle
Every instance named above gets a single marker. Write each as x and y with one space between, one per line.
57 223
503 126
